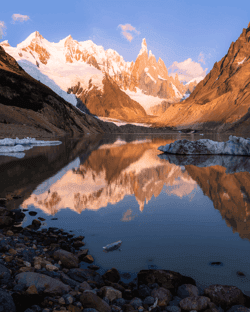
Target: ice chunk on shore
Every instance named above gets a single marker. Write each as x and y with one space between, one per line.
234 146
11 147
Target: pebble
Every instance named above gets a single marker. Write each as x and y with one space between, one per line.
31 251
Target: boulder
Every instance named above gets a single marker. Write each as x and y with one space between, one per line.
111 293
187 290
69 281
194 303
68 259
225 296
84 286
4 274
165 278
82 275
42 283
90 300
6 302
88 259
112 275
163 295
238 308
5 221
81 254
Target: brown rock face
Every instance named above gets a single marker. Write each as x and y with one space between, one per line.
111 102
221 100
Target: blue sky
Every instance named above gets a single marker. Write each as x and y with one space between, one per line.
174 29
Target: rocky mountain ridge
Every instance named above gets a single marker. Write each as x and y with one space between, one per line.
85 66
30 108
220 101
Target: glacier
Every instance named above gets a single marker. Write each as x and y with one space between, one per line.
234 146
14 147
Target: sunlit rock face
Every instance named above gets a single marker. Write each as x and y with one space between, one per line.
221 100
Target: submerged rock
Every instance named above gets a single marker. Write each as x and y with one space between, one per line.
234 146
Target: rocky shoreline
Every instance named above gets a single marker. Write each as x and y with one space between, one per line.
39 272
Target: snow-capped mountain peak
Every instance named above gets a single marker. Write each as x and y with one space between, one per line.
80 68
33 37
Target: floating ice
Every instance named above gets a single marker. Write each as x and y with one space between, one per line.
13 147
234 146
113 246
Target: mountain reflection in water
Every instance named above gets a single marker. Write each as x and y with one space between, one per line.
123 168
226 181
109 174
180 212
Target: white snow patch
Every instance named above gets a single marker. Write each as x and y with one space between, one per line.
146 101
161 77
151 77
239 63
177 92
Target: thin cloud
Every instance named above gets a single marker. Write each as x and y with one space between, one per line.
20 18
2 29
127 31
201 58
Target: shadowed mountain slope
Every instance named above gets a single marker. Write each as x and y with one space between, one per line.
28 107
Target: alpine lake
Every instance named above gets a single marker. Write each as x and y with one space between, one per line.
186 214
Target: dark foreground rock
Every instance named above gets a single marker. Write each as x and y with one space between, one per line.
39 272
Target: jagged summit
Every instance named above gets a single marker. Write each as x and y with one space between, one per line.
35 36
143 47
69 38
151 54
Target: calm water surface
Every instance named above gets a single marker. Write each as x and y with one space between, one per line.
175 213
